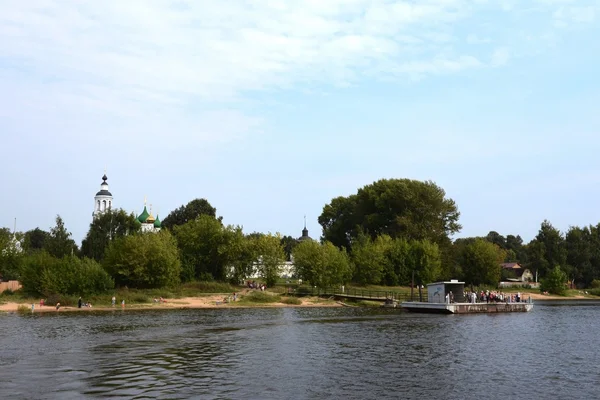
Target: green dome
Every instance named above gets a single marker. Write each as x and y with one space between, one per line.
143 216
157 222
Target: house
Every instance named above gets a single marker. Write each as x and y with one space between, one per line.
519 275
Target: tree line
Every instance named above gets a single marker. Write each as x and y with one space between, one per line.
390 232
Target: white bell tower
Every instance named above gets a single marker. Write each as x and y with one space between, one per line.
103 199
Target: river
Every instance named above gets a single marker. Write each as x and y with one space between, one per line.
301 353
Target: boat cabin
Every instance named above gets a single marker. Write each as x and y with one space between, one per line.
437 291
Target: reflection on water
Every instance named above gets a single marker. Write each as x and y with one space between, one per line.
301 353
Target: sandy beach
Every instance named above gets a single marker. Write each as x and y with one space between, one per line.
213 301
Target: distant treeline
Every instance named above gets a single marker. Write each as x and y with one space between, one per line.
387 233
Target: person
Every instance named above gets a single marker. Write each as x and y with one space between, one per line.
41 303
79 303
32 307
122 303
57 306
114 300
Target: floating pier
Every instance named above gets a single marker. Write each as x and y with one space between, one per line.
448 298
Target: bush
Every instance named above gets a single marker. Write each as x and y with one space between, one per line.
596 284
260 297
594 292
291 300
43 274
554 282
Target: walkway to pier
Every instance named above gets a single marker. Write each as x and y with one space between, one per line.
360 294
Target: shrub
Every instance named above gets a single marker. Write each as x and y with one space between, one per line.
596 284
46 275
260 297
291 300
554 282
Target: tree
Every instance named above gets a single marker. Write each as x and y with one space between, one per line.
288 243
11 255
46 275
547 249
35 239
148 260
270 257
207 248
190 212
481 261
369 259
424 259
59 243
322 265
400 208
108 226
554 282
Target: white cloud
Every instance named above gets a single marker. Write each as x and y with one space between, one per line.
137 58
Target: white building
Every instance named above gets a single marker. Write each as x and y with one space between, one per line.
103 202
103 199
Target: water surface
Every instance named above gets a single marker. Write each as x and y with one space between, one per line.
301 353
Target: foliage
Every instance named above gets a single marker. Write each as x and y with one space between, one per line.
425 260
291 300
209 249
595 284
400 208
148 260
270 256
35 239
47 275
189 212
368 258
10 256
322 265
480 261
288 243
59 243
108 226
260 297
554 282
547 249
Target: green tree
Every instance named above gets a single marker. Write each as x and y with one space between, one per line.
208 249
369 259
271 257
481 261
59 242
554 282
148 260
108 226
35 240
547 249
322 265
425 259
190 212
288 243
47 275
400 208
11 255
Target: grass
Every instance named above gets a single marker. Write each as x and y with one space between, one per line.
291 300
256 297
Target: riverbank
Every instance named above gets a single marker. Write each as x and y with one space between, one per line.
208 302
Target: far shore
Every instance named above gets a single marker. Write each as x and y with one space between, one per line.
206 302
216 302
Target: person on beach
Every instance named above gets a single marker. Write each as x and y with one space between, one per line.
57 306
114 300
41 303
122 303
79 303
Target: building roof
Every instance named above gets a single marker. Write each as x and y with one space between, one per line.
104 192
157 223
143 216
512 265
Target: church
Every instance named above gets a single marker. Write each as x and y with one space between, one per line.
103 201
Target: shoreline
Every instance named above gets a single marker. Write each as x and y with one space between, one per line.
204 302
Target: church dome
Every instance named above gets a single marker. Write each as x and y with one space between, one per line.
157 223
104 192
143 216
150 219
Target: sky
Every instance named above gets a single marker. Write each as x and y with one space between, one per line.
269 109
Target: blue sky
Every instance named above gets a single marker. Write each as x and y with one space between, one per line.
269 109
